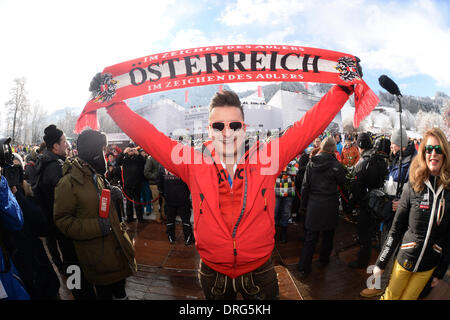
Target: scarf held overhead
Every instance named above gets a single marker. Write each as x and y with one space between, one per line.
226 64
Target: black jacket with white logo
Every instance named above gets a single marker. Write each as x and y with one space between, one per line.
422 224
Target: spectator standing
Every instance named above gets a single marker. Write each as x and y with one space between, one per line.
11 219
177 202
368 176
151 172
350 152
390 187
49 171
113 173
337 138
29 255
232 190
105 251
30 166
132 163
421 224
146 194
320 199
284 196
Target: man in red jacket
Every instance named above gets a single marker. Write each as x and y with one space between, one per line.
232 188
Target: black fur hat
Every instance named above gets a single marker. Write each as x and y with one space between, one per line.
364 141
52 135
90 142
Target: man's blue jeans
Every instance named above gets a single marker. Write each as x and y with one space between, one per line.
283 210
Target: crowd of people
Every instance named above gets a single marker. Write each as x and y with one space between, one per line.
79 198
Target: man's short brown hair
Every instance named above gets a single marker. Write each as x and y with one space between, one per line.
226 98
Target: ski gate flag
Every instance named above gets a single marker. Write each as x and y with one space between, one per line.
226 64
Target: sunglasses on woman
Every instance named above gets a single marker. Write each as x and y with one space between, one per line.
233 125
429 149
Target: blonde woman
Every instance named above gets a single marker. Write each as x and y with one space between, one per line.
421 223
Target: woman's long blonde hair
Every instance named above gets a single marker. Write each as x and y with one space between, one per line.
419 172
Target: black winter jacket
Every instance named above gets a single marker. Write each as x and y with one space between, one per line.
320 194
422 225
30 172
174 190
49 169
133 170
29 255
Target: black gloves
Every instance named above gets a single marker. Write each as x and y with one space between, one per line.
358 67
96 82
116 193
350 89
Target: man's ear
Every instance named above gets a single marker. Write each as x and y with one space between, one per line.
53 147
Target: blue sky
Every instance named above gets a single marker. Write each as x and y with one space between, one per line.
59 45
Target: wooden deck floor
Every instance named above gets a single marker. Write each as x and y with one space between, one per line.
169 272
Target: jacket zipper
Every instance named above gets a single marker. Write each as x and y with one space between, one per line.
263 191
430 223
239 220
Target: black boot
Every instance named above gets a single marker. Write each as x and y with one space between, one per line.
170 230
283 235
188 234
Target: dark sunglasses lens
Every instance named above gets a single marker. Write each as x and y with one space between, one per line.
218 126
235 125
429 149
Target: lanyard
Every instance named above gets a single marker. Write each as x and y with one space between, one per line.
230 181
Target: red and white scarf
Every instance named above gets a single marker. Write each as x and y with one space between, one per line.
226 64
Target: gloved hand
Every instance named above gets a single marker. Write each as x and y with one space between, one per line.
351 88
96 82
116 193
358 67
105 226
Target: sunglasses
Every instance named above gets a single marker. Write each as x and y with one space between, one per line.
233 125
429 149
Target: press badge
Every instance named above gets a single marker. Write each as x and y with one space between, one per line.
424 205
105 199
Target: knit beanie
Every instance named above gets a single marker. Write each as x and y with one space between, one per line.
395 138
52 135
364 141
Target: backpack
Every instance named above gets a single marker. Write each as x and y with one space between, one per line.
376 170
39 170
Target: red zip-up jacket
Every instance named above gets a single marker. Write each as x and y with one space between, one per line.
250 242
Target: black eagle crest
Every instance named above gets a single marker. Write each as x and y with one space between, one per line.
106 89
347 69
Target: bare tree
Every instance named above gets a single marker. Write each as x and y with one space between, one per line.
428 120
67 123
17 106
445 111
37 124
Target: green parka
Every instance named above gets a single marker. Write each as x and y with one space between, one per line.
103 259
151 170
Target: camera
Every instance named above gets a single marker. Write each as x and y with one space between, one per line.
6 155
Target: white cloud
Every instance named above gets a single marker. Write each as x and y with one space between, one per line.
272 12
58 46
406 38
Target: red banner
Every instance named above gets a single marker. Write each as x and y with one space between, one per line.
225 64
